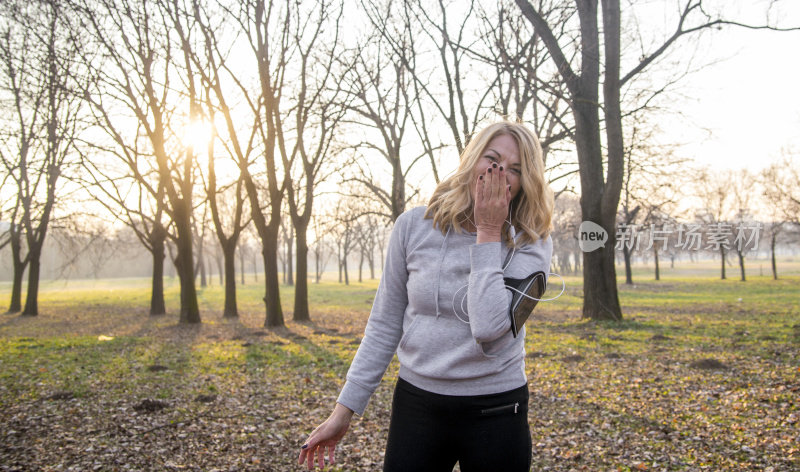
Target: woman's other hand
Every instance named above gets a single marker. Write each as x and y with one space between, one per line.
325 437
492 195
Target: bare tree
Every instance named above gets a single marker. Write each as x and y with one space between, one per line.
128 200
517 84
285 254
782 198
382 239
12 237
599 196
257 21
366 234
135 82
379 94
207 45
601 179
227 202
566 220
18 137
229 216
320 247
266 29
780 187
344 231
119 174
39 70
470 64
409 29
774 231
86 245
316 112
741 187
713 190
659 224
629 213
200 228
650 186
527 86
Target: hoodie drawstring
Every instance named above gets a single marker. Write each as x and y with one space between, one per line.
439 273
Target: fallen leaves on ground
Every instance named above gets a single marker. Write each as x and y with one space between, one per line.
699 391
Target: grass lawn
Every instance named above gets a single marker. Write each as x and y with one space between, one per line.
701 375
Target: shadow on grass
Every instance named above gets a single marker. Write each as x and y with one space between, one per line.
301 354
583 328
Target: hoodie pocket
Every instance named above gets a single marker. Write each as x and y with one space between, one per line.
485 349
410 332
504 346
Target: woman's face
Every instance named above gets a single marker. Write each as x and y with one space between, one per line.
503 151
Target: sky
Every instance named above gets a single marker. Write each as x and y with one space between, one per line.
741 112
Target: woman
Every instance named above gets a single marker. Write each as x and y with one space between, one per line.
462 393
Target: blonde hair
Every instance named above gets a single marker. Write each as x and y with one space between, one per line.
532 208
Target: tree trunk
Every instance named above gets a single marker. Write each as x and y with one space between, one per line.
301 311
203 279
19 271
289 258
600 289
599 198
341 265
398 190
360 265
272 299
741 264
16 289
626 254
190 310
32 297
655 259
772 250
604 303
157 305
317 264
564 263
601 300
344 269
184 263
229 256
722 258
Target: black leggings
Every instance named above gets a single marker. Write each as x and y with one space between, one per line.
430 432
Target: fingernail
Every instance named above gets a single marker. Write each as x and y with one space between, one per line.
489 170
481 177
494 164
501 167
304 446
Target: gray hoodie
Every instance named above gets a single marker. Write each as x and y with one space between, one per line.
442 306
